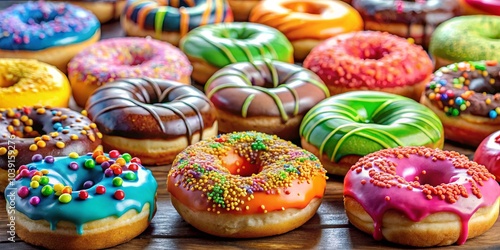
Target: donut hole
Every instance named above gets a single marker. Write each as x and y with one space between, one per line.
433 177
8 80
237 165
83 181
481 85
137 58
314 9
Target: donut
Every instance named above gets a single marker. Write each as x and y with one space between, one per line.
49 32
104 10
270 97
448 46
343 128
464 96
242 8
28 131
246 185
211 47
92 201
28 82
424 197
171 20
115 58
306 23
413 19
371 60
488 154
483 7
152 119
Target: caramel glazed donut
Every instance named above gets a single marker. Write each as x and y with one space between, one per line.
152 119
25 132
421 197
104 10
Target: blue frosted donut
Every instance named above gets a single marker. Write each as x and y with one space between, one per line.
30 29
160 20
93 201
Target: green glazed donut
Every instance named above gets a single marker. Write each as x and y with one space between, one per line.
343 128
466 38
211 47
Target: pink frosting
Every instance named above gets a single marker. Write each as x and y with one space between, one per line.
488 6
488 154
404 188
131 57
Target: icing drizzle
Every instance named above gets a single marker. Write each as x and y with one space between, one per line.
376 120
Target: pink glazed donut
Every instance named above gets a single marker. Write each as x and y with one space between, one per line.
421 197
488 154
115 58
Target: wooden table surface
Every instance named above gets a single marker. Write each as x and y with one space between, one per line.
328 229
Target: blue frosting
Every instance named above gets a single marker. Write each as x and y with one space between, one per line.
138 191
41 25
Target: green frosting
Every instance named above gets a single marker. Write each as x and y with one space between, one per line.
362 122
467 38
226 43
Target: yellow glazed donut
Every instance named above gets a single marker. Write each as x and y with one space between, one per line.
26 82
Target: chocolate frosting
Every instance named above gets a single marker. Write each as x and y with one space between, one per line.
472 87
265 88
144 108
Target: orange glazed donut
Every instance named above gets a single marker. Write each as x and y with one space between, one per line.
245 185
152 119
306 23
421 197
287 91
371 60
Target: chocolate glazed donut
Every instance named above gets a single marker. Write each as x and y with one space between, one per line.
152 119
35 132
407 18
266 96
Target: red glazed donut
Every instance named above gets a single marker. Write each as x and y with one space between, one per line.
421 197
488 154
270 97
26 132
245 185
152 119
370 60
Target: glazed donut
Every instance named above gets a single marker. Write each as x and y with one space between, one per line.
371 60
242 8
246 185
484 7
171 20
306 23
464 96
448 46
115 58
345 127
488 154
407 18
211 47
92 201
104 10
270 97
425 197
46 31
27 82
25 132
151 118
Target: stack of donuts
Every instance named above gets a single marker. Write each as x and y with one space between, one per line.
251 104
